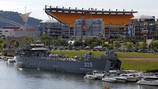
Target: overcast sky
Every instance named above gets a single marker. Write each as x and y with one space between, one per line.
145 7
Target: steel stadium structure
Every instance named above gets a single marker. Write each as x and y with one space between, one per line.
117 20
68 16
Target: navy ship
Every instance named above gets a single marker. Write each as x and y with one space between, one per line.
38 56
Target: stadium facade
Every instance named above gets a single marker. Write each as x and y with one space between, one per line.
114 23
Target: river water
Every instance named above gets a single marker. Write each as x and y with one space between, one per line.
12 78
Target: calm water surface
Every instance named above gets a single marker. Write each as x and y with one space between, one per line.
11 78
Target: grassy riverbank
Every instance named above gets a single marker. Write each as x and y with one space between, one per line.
130 60
140 64
139 61
136 55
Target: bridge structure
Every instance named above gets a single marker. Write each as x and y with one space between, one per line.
69 16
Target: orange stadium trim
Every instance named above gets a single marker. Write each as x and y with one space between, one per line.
69 16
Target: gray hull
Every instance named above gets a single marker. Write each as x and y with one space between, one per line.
70 66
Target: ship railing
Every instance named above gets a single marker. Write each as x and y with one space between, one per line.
68 59
56 57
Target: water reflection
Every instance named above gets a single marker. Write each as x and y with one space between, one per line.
11 78
147 87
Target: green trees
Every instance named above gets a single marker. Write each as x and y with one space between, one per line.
28 40
77 43
51 41
46 39
14 43
154 45
127 45
116 44
92 42
59 42
124 44
141 45
2 42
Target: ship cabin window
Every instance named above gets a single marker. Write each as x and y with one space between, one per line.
39 53
35 53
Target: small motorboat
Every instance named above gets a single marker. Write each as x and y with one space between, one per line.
149 80
20 69
131 77
117 79
109 79
121 79
11 60
98 75
95 75
90 76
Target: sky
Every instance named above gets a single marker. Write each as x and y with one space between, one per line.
144 7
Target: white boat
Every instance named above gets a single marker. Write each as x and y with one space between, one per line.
131 77
20 69
118 79
98 75
90 76
114 72
149 80
94 75
11 60
121 79
109 79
